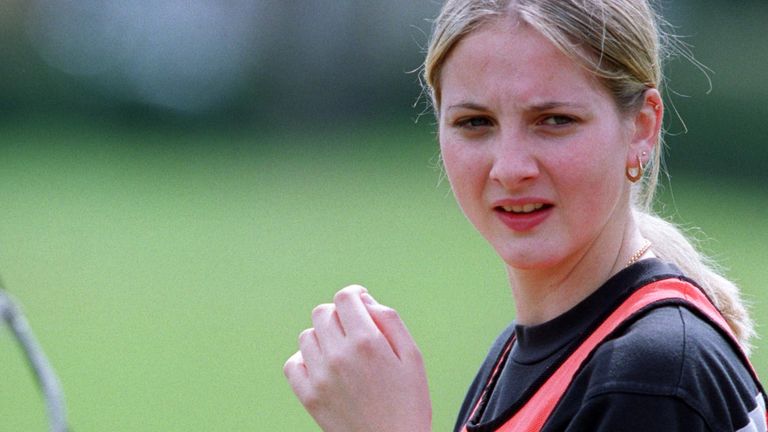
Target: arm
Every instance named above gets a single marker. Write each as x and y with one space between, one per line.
358 369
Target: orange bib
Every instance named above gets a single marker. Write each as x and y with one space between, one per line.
535 412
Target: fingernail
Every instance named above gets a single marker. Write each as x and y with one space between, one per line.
367 299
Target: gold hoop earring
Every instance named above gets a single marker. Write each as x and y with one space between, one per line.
635 173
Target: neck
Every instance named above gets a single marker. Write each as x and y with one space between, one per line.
542 294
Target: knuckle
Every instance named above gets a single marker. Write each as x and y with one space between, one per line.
389 314
336 363
368 346
343 296
321 386
365 345
356 288
287 368
321 310
293 361
311 401
305 334
348 293
413 354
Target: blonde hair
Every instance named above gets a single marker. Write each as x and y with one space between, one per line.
621 42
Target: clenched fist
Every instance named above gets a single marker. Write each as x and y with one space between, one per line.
358 369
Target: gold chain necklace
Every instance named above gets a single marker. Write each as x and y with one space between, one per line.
640 252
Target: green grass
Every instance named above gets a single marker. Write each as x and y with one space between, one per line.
168 275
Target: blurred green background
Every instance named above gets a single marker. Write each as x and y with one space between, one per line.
182 181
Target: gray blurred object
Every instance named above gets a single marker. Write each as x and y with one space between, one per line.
186 55
46 377
200 57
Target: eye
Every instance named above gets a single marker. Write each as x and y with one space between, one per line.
473 122
557 120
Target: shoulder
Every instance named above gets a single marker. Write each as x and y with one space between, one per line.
671 349
648 354
671 356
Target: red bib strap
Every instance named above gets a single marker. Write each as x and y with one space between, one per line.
532 416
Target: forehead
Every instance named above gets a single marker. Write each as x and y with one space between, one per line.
507 60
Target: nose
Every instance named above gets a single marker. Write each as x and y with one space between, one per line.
514 163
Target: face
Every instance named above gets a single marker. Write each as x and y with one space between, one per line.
533 145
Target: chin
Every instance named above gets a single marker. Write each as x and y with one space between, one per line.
524 261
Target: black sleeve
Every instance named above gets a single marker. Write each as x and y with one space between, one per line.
627 412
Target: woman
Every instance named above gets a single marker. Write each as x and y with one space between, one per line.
549 117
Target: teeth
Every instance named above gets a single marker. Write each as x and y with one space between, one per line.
527 208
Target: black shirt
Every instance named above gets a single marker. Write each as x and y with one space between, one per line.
667 370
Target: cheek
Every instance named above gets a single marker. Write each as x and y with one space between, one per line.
465 170
592 186
451 159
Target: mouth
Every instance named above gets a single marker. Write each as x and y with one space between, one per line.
524 209
523 217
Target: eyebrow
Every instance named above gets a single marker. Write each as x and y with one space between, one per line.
468 105
544 106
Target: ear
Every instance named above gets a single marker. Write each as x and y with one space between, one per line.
647 126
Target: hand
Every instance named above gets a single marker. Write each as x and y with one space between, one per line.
359 369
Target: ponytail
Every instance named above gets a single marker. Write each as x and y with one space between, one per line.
670 244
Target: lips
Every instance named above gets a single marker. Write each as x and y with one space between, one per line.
522 215
526 208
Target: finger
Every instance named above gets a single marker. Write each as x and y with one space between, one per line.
296 373
310 350
354 316
328 330
392 326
